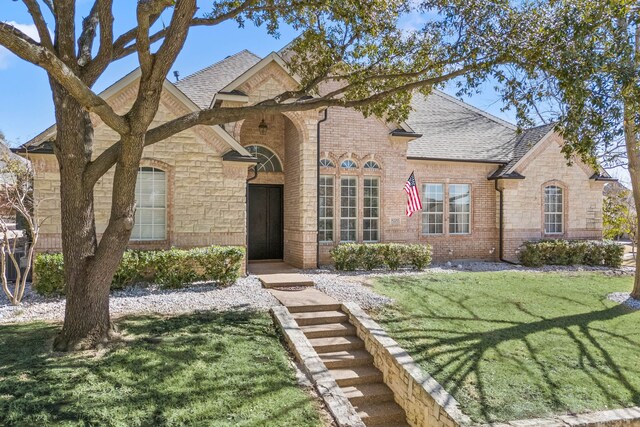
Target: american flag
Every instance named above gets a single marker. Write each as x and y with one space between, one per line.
413 202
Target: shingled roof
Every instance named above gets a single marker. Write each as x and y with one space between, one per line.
202 85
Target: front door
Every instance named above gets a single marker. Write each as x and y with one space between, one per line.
264 223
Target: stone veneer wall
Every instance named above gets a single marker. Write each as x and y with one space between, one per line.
524 199
424 401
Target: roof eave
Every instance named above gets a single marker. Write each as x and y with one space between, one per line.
440 159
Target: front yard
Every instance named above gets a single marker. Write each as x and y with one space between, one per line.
511 345
217 368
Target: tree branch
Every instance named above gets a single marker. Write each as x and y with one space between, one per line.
26 48
88 35
216 116
41 25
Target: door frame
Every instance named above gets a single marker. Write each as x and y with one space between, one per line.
281 187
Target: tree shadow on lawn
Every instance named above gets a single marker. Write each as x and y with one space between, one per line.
500 367
214 368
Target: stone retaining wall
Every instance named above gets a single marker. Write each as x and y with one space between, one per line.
425 402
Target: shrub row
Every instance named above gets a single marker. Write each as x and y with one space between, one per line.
571 252
352 256
172 268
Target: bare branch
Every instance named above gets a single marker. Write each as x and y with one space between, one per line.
27 49
88 35
40 23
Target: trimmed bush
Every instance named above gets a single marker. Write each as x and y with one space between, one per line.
571 252
170 269
368 256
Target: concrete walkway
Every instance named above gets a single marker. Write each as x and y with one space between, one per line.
278 275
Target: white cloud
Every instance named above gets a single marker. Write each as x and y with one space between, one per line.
28 29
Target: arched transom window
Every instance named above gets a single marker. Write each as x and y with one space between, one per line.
151 205
553 210
371 165
267 159
348 164
326 163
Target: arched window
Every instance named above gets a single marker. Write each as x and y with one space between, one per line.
326 163
267 159
151 205
553 210
371 165
348 164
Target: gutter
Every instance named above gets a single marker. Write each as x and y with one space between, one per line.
324 119
501 227
246 221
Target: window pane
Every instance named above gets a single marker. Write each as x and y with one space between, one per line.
267 159
370 228
326 209
459 209
151 201
432 208
553 210
348 209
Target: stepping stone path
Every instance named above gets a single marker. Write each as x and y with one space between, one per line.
334 339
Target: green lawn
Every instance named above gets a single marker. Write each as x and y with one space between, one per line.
214 369
519 345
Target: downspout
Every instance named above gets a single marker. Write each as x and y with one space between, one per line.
501 227
246 224
324 119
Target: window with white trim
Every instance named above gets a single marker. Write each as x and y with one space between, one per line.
371 219
459 208
326 191
371 165
348 208
553 210
151 205
433 208
267 159
348 164
327 163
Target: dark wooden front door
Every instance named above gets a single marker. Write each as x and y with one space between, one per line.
264 222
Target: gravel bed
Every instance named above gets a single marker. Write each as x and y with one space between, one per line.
246 293
625 298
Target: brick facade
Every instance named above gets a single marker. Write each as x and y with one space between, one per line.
206 196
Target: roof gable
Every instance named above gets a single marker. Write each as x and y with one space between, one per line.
202 85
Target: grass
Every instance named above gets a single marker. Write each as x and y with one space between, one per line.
519 345
214 369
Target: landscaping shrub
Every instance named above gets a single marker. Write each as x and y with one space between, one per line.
49 274
170 268
571 252
368 256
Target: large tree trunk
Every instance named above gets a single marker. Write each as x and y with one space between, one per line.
633 155
89 266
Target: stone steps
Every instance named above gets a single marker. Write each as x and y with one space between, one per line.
284 280
346 358
377 414
329 330
319 317
368 393
333 344
343 353
356 375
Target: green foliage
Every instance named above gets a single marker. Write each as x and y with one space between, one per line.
172 268
49 274
619 217
368 256
571 252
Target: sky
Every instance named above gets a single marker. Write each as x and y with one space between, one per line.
26 107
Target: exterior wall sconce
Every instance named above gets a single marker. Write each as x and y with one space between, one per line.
262 127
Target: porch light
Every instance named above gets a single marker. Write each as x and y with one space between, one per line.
262 127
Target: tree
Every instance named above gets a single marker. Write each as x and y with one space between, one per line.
17 195
589 72
355 43
619 215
